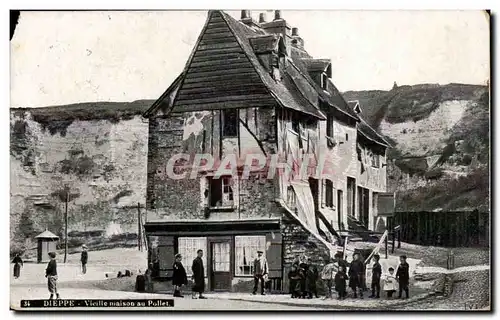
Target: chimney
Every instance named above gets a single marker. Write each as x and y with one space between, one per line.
245 14
277 15
246 18
262 18
297 41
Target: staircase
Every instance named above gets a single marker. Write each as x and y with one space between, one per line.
359 230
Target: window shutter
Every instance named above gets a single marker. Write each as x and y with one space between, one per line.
323 193
273 254
166 252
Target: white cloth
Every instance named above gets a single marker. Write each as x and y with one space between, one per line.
305 205
390 282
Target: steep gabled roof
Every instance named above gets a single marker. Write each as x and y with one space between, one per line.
164 102
331 96
223 71
369 133
264 43
318 65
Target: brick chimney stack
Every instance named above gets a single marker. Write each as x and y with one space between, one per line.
297 41
262 18
277 15
280 27
245 14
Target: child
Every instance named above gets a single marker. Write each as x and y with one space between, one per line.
390 283
327 275
403 276
340 282
51 275
294 277
312 278
179 277
376 274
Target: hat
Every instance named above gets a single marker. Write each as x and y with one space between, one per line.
52 254
178 256
84 246
260 251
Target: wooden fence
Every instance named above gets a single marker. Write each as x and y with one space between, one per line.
448 229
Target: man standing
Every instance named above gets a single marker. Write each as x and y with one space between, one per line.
376 275
260 271
356 275
51 275
198 276
84 258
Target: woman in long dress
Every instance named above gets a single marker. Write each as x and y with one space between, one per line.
18 263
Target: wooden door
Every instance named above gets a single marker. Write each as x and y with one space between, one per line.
220 265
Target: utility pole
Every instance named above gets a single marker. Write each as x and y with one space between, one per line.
66 226
139 224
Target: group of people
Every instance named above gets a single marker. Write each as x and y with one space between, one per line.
179 276
51 270
339 275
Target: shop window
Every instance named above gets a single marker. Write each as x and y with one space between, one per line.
188 248
221 192
246 248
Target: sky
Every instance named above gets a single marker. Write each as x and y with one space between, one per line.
69 57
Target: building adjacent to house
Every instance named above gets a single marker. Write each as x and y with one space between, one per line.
250 87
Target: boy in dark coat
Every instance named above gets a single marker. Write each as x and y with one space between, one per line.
356 275
18 263
403 277
294 277
303 269
340 282
376 275
179 277
312 278
51 275
198 276
84 258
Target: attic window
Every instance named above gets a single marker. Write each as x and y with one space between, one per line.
230 123
324 81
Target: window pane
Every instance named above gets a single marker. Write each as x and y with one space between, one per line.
246 251
221 256
188 248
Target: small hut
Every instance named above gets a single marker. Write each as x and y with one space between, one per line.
47 242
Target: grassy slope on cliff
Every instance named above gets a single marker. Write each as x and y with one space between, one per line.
57 119
414 103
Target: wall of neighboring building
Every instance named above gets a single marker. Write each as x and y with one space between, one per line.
341 163
373 178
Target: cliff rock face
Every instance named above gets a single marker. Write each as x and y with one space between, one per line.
100 155
99 150
440 159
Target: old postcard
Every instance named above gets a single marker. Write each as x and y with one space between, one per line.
250 160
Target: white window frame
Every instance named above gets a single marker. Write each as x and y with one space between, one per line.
375 160
227 188
250 244
188 248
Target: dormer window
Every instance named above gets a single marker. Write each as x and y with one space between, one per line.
324 81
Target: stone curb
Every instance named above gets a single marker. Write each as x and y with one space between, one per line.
330 306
